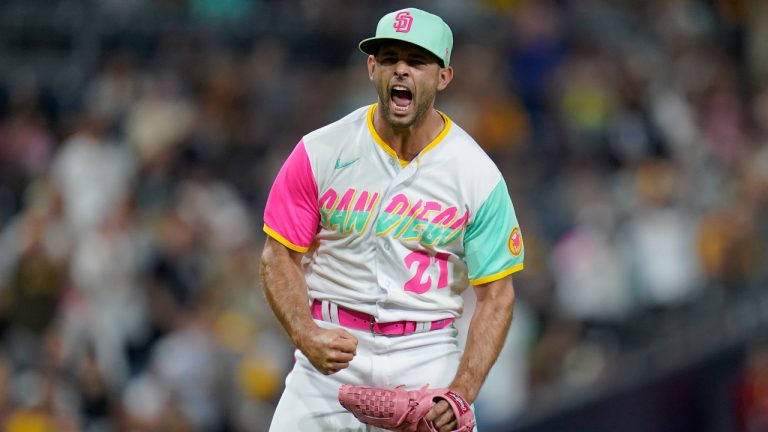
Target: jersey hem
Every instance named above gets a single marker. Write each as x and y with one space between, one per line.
494 277
283 241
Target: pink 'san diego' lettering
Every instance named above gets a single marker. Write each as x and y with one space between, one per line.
428 222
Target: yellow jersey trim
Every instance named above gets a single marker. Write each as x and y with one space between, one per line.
440 136
282 240
391 152
497 276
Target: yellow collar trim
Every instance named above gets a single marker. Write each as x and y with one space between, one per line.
388 149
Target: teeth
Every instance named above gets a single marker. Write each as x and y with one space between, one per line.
396 107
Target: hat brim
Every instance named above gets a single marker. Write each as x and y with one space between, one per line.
371 46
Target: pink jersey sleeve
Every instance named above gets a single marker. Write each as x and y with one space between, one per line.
291 215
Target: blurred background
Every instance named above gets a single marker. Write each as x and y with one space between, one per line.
139 138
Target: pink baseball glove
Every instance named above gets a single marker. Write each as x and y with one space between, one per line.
403 410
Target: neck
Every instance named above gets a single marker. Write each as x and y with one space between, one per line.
408 142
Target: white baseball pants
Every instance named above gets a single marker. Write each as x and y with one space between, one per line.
310 400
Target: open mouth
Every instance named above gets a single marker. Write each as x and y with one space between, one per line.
401 98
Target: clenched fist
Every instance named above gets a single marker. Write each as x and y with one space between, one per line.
329 350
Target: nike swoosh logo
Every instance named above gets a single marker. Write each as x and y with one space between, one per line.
340 164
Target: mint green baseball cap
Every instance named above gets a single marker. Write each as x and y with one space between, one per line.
414 26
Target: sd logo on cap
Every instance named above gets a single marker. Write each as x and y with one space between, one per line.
414 26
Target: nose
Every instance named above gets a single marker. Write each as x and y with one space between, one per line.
402 69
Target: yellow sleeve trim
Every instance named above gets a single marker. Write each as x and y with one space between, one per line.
272 233
484 280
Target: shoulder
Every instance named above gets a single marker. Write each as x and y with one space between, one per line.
337 133
461 161
466 154
340 139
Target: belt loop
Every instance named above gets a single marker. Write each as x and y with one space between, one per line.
423 326
325 310
333 312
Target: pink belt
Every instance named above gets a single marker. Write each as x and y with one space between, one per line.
362 321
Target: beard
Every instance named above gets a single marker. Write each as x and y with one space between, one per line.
405 122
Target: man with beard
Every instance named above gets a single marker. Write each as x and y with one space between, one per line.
376 224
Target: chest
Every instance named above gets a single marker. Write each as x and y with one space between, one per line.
373 194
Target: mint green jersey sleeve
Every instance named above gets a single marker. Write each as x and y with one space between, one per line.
493 243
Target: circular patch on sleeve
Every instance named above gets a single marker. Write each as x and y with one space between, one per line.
515 242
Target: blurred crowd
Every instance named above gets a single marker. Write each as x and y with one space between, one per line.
139 138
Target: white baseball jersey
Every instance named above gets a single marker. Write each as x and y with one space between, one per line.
395 239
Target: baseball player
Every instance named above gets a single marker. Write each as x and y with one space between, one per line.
376 223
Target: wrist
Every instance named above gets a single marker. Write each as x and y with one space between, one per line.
303 335
466 392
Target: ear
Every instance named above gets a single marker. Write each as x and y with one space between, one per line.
444 78
371 66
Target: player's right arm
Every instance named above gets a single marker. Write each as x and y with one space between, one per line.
291 218
329 350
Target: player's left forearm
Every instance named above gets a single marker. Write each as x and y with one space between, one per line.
486 335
